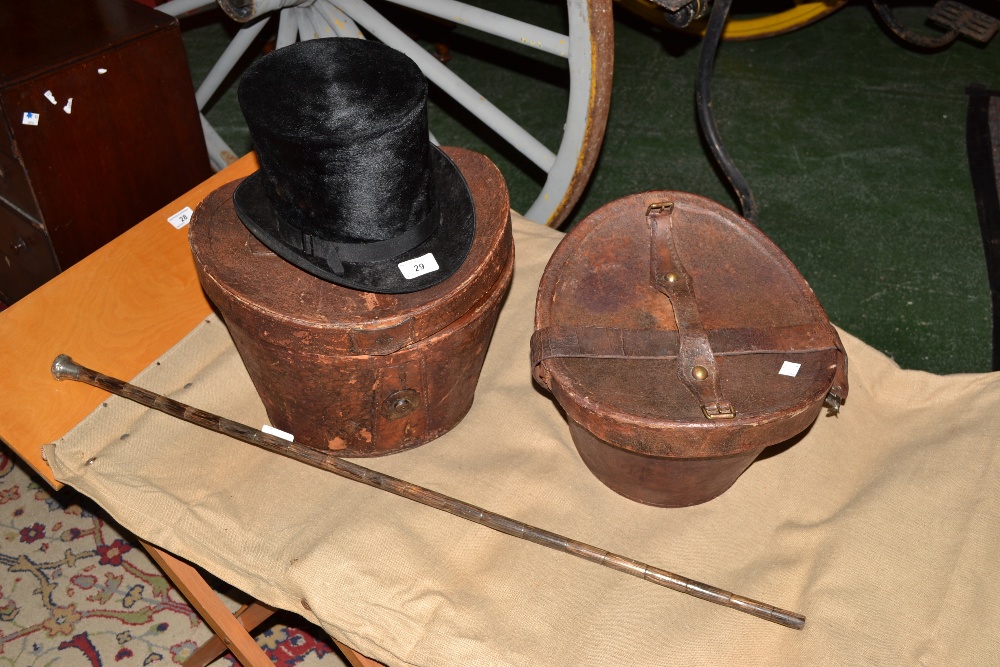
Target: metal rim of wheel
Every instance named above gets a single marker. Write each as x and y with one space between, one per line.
588 48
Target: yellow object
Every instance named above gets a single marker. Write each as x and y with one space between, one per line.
745 29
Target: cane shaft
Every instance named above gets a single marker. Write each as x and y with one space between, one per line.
65 368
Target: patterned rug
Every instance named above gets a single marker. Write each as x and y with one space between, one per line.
76 590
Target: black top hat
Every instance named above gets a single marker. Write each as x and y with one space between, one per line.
350 189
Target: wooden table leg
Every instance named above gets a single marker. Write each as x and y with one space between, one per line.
211 608
249 615
355 658
232 630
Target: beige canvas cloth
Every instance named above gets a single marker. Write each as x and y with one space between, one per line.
880 525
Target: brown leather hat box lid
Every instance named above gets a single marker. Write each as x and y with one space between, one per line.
680 342
354 372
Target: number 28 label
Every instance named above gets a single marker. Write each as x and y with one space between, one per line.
418 266
181 217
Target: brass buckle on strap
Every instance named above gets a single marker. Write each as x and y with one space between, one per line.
723 410
666 207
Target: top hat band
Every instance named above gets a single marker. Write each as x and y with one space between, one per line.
335 254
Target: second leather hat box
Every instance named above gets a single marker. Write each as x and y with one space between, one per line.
680 342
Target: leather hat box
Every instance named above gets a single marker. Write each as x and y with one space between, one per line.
353 372
680 342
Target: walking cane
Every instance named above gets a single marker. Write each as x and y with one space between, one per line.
64 368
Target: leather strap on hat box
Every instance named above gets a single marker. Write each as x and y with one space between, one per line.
695 361
569 342
614 343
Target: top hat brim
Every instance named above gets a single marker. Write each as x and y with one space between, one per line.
449 243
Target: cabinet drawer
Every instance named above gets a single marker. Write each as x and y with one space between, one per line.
26 258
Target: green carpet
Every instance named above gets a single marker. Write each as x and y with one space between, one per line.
853 144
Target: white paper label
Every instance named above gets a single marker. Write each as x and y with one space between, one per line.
69 106
789 368
418 266
278 433
29 118
101 70
50 97
181 217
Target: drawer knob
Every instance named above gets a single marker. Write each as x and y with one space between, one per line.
19 246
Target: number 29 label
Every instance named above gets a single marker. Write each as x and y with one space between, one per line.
418 266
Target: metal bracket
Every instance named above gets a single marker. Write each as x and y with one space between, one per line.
964 20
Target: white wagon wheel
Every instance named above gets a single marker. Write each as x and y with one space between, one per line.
589 49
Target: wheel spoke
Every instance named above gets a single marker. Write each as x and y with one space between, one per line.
179 7
492 23
241 42
288 29
451 84
324 28
307 30
338 20
220 155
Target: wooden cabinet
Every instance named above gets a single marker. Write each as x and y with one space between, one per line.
113 132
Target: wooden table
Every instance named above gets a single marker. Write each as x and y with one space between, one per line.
126 305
